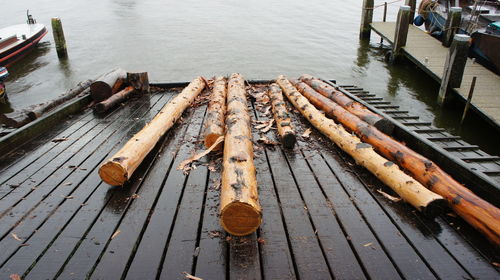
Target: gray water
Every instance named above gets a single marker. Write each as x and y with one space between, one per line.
178 40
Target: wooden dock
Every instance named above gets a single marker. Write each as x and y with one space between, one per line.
323 217
428 53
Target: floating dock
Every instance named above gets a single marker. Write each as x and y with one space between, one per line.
323 216
429 54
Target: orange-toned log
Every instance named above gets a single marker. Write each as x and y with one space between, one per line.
120 167
281 117
347 103
214 125
405 186
114 100
240 209
479 213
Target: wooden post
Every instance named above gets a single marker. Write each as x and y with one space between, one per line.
469 98
452 25
454 65
59 39
401 32
366 19
385 12
413 7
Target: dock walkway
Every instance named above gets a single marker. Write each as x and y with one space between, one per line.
428 53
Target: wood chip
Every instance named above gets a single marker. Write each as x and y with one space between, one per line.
368 244
306 133
16 237
115 234
184 165
189 276
263 139
388 196
15 277
57 140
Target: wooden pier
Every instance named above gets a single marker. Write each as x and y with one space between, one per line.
429 54
323 216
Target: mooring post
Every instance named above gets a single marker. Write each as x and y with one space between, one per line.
452 25
454 65
59 39
366 19
469 98
401 32
413 6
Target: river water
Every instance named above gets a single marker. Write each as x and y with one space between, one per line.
177 40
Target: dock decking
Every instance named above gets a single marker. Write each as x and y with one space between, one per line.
428 53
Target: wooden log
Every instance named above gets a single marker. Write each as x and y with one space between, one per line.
477 212
282 117
120 167
39 110
107 84
214 124
240 209
114 100
15 119
140 81
350 105
405 186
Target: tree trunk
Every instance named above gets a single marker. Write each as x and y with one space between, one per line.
405 186
477 212
214 124
120 167
15 119
107 84
347 103
140 82
240 209
115 99
282 117
39 110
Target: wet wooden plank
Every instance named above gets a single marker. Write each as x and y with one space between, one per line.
244 262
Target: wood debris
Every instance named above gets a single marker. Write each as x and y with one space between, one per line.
115 234
388 196
16 237
57 140
265 126
306 133
189 276
15 277
184 165
263 139
368 244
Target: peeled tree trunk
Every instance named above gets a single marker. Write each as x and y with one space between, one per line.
108 84
120 167
114 100
405 186
214 124
347 103
477 212
240 209
282 117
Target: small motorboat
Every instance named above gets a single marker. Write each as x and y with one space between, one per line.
3 75
17 40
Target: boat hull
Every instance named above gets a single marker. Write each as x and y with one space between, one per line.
9 55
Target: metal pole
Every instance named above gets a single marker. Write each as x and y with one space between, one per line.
469 98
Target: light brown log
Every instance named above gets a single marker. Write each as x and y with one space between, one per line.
108 84
240 209
140 82
114 100
214 124
120 167
405 186
281 117
39 110
482 215
347 103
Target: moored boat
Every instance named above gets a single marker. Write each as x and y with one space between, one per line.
3 75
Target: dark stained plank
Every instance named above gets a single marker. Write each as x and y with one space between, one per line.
244 262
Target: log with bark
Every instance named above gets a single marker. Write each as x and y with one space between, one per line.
139 81
281 116
479 213
214 124
347 103
108 84
114 100
39 110
120 167
240 209
405 186
15 119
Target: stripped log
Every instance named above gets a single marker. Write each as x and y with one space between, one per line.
282 117
15 119
39 110
479 213
240 209
347 103
114 100
405 186
214 125
120 167
140 81
107 85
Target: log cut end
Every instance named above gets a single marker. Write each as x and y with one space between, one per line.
100 91
210 140
239 218
113 173
435 208
288 140
385 126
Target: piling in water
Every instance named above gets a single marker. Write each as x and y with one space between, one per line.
59 39
452 25
454 65
401 32
366 19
